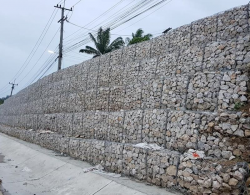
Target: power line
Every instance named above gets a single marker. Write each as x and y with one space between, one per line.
110 33
112 17
46 64
116 16
40 56
38 45
147 15
34 49
80 43
127 12
48 69
97 17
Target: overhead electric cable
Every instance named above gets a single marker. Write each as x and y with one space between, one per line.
80 43
108 25
147 16
113 17
40 56
34 49
39 43
97 17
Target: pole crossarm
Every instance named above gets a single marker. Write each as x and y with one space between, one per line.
12 87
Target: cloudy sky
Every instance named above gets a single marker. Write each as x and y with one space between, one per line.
24 55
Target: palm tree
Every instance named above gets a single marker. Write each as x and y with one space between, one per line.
138 37
102 43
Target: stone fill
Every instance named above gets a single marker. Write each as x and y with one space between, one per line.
179 93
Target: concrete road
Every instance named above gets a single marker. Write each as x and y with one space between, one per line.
28 169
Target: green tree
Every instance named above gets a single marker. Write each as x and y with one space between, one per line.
4 98
102 43
138 37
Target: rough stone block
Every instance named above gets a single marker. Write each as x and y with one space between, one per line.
159 46
233 23
77 129
203 92
154 126
151 93
82 83
134 159
174 92
64 145
114 157
104 69
64 100
243 53
179 38
116 126
220 56
66 85
97 152
190 60
128 54
132 98
56 107
102 99
64 124
74 145
90 99
80 101
71 102
233 90
58 86
116 68
182 130
73 84
100 125
88 122
93 73
131 73
167 65
204 31
142 50
116 98
133 126
147 69
85 149
162 167
49 122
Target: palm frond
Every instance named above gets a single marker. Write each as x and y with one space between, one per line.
139 33
106 39
116 44
148 35
94 40
90 50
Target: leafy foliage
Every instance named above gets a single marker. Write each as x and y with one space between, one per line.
102 43
2 99
238 105
138 37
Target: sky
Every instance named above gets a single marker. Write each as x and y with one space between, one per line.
22 23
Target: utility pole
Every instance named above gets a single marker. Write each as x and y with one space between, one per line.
63 18
12 87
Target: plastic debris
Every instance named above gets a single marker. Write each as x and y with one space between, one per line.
149 146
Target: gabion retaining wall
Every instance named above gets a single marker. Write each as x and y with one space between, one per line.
180 91
161 167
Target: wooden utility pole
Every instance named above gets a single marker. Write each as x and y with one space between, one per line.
12 87
63 18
